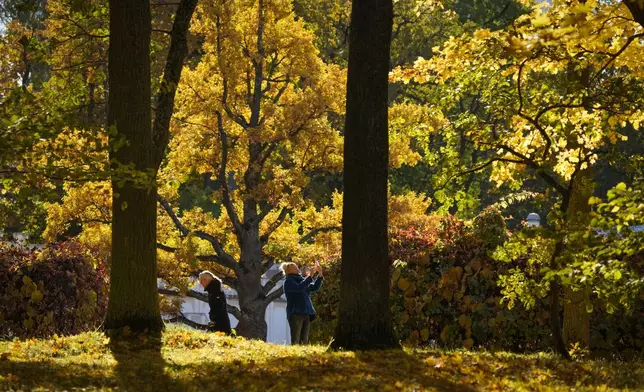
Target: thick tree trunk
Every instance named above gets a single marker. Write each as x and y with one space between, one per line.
252 302
576 324
252 324
364 317
133 299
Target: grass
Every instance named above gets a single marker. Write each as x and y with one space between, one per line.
186 360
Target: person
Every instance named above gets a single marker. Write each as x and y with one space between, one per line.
219 321
299 308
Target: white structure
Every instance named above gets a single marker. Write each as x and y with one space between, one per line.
534 220
20 239
278 329
197 310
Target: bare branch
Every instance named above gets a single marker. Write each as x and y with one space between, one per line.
637 10
274 295
268 286
181 318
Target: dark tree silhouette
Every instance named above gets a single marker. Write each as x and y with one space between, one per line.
364 318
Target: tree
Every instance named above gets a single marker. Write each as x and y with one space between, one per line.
299 99
553 96
252 123
364 315
133 300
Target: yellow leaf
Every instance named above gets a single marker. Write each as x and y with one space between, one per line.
540 21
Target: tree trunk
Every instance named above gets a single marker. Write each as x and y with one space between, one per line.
364 317
576 324
133 299
637 10
555 308
252 302
252 324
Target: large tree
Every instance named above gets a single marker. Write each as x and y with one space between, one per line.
136 150
364 317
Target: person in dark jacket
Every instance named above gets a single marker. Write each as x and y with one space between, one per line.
219 321
299 308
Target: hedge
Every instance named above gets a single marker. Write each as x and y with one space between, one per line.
53 291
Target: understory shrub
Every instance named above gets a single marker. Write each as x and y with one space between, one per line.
444 292
57 290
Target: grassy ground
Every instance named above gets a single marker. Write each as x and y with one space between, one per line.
197 361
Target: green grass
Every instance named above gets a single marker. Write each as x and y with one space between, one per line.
197 361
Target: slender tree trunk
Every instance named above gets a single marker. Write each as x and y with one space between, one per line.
576 323
364 317
555 307
133 299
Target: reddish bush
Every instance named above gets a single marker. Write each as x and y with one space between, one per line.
54 291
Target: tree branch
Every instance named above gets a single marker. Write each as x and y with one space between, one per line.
166 206
620 51
180 318
637 10
268 286
171 75
223 258
201 297
478 168
537 168
274 295
223 178
275 225
306 238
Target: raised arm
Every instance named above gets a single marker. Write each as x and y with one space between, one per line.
292 287
317 283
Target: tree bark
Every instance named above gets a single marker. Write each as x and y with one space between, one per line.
555 306
576 322
133 299
364 317
637 10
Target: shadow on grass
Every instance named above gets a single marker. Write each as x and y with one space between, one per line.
140 365
362 372
143 367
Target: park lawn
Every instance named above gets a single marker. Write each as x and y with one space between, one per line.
198 361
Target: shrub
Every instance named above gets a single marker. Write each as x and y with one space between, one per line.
53 291
445 291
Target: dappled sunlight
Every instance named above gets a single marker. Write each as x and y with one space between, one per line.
189 360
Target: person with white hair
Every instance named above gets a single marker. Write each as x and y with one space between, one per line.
219 321
299 308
